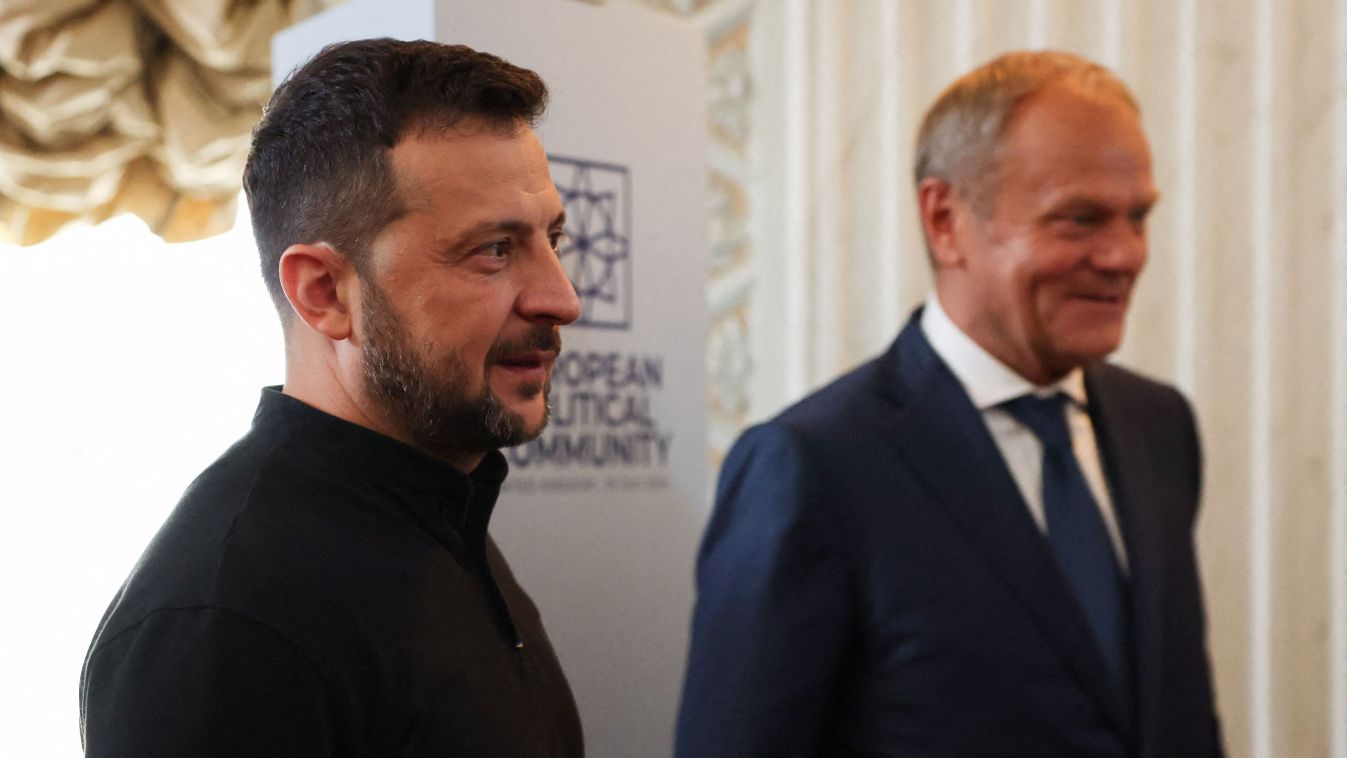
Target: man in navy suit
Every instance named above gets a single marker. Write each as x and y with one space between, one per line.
981 542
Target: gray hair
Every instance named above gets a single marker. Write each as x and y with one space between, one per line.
961 134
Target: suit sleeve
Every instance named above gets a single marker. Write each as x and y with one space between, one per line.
1194 447
1193 458
204 683
1199 475
772 616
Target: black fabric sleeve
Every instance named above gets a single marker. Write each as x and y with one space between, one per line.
202 683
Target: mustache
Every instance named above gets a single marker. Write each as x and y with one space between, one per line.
538 337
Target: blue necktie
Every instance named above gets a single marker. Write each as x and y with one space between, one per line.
1077 533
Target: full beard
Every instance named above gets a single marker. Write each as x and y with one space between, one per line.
430 400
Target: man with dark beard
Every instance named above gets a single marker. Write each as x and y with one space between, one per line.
328 586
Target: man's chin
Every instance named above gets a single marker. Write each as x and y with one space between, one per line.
1083 353
530 422
527 415
525 403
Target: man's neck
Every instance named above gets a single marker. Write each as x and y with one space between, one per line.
321 390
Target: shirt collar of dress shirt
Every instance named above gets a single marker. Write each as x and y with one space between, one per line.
987 380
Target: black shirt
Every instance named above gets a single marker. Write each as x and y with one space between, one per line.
324 590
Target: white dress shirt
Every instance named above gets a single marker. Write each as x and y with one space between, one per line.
989 382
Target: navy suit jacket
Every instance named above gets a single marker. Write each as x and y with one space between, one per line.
871 583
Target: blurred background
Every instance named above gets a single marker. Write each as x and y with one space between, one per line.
136 332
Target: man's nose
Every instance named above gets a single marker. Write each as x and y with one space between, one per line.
1122 250
548 294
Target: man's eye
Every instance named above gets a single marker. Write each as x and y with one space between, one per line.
555 239
497 249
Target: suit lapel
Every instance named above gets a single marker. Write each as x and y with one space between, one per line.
1120 433
951 451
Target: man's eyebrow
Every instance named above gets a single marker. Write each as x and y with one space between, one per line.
505 225
1094 201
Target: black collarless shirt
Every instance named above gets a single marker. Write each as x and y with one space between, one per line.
324 590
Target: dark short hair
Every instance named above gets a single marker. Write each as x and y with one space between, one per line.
961 134
319 168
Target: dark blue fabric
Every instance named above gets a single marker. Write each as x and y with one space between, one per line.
871 583
1077 534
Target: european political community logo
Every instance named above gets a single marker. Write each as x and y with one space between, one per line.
596 251
604 400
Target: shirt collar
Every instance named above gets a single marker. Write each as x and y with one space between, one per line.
988 381
454 506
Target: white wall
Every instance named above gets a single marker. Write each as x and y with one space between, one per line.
128 365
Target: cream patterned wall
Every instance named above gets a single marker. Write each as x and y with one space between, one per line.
817 260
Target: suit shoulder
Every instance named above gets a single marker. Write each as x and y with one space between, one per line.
1138 393
1152 414
810 446
1110 377
837 407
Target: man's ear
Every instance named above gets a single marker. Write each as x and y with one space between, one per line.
940 207
320 284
